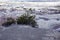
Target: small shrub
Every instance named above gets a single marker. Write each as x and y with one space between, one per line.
8 22
27 20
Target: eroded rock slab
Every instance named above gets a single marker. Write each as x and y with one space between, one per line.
22 33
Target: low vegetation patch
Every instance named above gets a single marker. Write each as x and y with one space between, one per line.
8 22
27 20
23 19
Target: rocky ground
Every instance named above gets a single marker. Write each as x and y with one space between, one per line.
23 32
48 25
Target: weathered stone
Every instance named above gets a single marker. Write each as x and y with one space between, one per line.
22 33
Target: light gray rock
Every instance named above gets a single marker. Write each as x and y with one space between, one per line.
22 33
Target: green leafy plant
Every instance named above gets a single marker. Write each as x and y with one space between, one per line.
8 22
27 20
